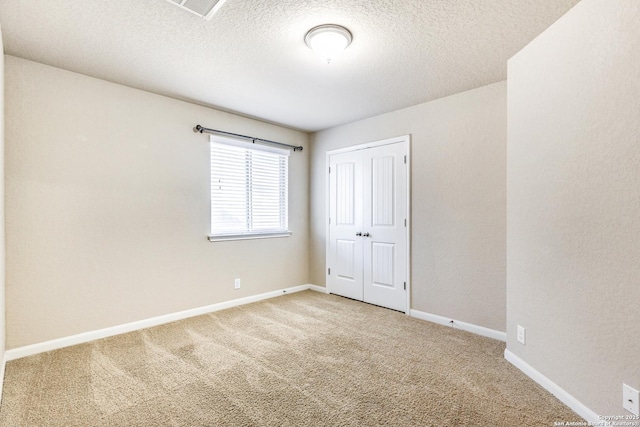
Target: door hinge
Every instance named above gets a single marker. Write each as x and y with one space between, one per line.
405 222
329 271
405 286
329 169
405 159
329 220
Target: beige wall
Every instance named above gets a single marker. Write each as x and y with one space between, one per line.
573 239
2 251
458 168
107 207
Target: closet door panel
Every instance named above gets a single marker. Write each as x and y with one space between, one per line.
345 216
384 209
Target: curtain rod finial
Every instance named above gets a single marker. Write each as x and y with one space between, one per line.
198 128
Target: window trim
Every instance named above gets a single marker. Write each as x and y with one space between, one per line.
246 236
224 140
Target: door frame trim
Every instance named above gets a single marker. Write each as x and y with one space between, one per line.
402 139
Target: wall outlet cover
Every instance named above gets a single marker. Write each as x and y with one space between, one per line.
521 335
236 284
631 399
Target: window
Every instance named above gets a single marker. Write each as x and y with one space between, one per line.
249 190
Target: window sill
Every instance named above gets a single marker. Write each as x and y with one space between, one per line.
228 237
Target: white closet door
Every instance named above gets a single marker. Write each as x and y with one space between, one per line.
385 257
367 239
345 213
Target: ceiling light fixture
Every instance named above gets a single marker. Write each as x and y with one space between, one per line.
328 41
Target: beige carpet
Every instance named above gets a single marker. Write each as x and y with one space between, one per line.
305 359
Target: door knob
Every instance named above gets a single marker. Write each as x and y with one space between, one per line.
358 233
366 235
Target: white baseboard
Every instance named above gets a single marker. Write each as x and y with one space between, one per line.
3 364
469 327
29 350
320 289
553 388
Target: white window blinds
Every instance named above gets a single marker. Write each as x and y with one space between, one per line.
249 190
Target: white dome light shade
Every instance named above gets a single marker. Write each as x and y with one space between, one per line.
328 41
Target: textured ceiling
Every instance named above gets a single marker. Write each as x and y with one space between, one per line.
251 58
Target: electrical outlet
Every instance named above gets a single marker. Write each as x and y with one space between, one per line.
237 284
631 399
521 335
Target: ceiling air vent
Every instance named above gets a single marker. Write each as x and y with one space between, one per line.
203 8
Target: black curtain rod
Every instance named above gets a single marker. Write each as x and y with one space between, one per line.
201 129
